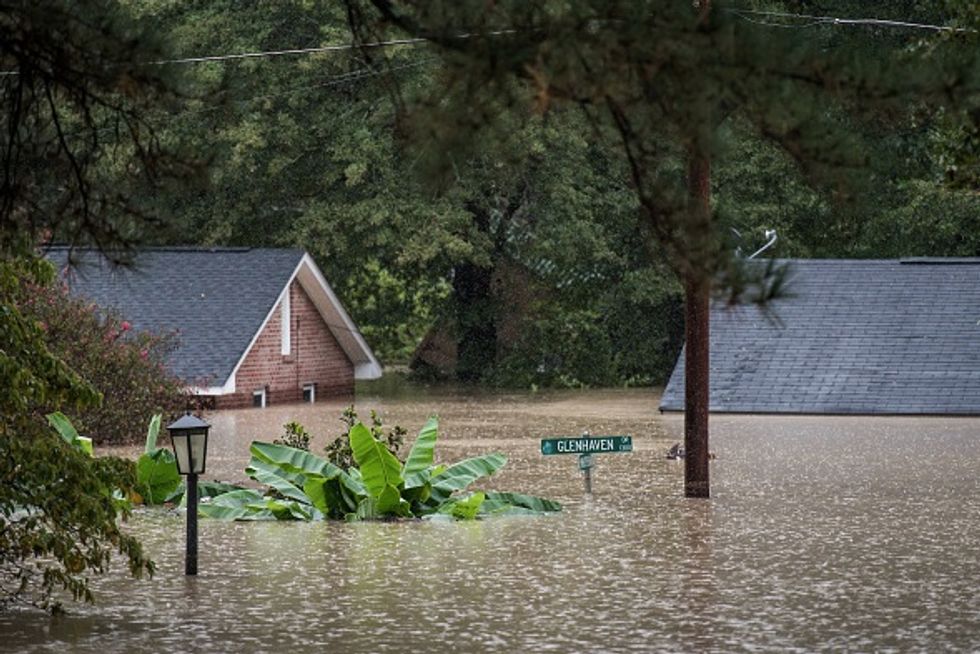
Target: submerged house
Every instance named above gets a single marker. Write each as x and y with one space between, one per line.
256 326
850 337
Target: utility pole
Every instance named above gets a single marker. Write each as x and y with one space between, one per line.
697 298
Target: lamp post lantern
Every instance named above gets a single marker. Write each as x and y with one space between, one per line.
189 436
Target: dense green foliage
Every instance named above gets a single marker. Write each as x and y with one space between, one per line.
521 190
58 518
125 366
78 151
483 192
58 512
311 151
75 146
665 81
303 486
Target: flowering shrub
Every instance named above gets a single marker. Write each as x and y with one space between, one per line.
125 365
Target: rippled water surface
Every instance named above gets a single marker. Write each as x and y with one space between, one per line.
822 533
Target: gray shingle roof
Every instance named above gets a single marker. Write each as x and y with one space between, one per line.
217 298
853 337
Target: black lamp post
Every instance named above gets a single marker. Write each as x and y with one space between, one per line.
189 436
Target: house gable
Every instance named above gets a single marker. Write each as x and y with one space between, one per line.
333 315
315 357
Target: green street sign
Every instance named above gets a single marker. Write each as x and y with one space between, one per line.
587 445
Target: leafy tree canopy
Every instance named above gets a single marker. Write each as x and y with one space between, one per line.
664 79
74 147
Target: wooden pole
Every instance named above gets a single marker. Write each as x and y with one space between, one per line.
697 296
696 366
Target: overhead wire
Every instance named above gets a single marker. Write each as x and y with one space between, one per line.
350 76
746 14
335 47
815 20
264 54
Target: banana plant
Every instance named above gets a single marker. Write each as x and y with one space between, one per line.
157 479
303 486
61 424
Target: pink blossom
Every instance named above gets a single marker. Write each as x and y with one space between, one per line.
125 326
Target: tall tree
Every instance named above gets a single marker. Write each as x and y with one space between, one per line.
74 145
660 80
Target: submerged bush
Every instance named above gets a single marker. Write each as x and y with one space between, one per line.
294 435
339 451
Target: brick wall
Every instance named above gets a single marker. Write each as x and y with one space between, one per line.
315 357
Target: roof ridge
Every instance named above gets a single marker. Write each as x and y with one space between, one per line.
941 261
173 248
188 249
896 260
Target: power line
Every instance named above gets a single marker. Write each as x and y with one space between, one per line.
339 47
743 13
836 20
336 47
351 76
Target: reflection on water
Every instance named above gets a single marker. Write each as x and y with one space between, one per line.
822 533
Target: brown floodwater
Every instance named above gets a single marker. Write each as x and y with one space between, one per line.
823 533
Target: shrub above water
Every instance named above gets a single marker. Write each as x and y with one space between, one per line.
339 450
125 365
303 486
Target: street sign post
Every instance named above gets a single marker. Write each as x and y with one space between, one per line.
586 446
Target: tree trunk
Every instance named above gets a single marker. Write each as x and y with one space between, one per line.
696 366
697 289
476 325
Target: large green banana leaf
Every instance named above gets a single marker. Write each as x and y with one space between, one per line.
391 503
294 464
498 503
268 474
465 508
156 476
205 489
157 479
460 475
418 494
288 510
248 504
242 504
418 465
152 433
380 469
67 431
330 496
